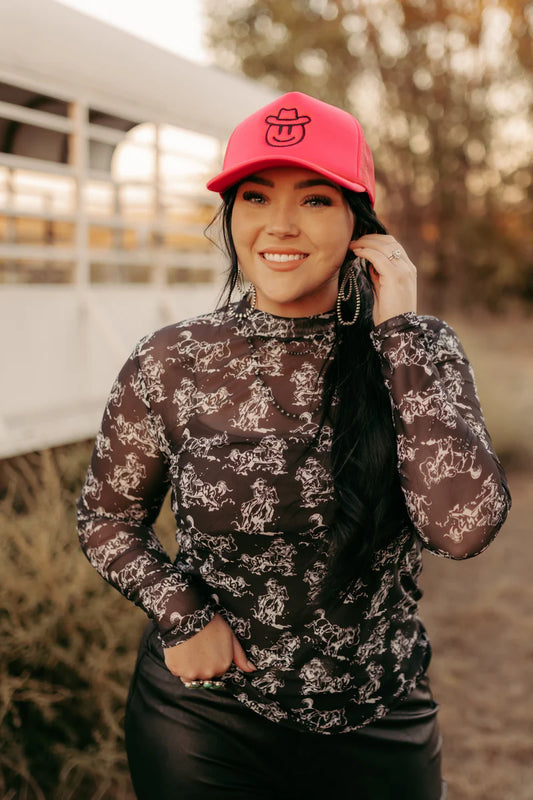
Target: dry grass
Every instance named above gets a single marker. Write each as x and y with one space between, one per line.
66 647
478 614
67 641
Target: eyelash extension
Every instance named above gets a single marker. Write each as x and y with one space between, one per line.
250 194
326 201
319 199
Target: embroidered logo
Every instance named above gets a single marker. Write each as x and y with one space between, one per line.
287 128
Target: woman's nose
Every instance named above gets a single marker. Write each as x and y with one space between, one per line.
282 222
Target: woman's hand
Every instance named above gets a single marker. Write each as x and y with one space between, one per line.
208 653
392 274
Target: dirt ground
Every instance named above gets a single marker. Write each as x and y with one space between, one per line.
479 616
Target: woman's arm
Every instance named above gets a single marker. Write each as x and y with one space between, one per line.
122 495
454 486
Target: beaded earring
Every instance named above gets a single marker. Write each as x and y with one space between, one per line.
251 305
348 288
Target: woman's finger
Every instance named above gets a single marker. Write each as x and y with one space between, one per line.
383 259
240 659
392 275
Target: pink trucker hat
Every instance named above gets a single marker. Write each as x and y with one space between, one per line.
298 130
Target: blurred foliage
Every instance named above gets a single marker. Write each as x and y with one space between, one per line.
443 89
67 643
67 640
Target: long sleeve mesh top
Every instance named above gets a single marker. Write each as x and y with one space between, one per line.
199 407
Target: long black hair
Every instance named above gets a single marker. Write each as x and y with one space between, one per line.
363 458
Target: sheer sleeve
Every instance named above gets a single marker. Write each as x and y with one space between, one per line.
125 486
454 486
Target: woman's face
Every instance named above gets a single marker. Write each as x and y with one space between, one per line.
291 228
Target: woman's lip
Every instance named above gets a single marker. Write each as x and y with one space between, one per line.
275 256
284 251
283 263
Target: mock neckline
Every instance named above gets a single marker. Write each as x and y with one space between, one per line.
267 325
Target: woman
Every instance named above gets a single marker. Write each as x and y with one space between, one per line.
316 435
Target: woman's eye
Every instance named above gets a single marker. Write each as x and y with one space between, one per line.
253 197
318 200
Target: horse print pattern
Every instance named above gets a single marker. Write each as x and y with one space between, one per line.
196 408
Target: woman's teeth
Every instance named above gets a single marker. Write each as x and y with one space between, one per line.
284 256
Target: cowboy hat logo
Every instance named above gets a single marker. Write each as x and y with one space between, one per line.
287 128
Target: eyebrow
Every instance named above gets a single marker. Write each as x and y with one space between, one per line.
300 185
316 182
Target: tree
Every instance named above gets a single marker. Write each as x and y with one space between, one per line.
443 89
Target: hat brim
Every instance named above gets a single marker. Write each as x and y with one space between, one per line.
287 122
230 177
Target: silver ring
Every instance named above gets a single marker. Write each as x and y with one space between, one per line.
213 685
203 684
395 254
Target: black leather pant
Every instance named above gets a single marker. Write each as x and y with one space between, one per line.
197 744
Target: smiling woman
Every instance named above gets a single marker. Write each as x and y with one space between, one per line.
291 230
285 656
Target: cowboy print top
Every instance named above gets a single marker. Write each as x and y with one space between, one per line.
198 408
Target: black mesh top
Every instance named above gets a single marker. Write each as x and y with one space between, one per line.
223 411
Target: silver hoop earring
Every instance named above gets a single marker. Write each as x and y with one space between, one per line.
249 306
348 288
253 299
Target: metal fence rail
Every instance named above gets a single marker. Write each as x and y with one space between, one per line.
165 226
